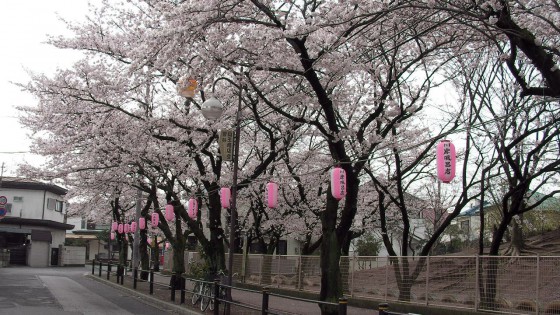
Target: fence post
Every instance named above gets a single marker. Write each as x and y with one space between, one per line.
93 267
427 277
217 297
300 271
538 281
151 281
342 306
353 270
386 277
383 308
135 275
278 270
262 268
108 270
123 269
182 289
173 287
476 282
264 306
100 267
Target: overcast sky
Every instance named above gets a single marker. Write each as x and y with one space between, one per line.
24 26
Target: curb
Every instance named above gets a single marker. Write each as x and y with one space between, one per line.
147 299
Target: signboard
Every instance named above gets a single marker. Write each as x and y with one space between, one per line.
226 141
3 200
3 211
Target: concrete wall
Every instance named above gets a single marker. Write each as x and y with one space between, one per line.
72 256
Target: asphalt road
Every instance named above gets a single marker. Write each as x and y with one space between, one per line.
64 290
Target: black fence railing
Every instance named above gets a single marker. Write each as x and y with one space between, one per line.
212 294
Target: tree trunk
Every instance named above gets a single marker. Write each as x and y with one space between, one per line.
331 281
144 257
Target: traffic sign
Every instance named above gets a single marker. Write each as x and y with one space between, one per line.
3 200
3 212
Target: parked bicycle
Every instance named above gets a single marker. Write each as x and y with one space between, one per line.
204 292
222 292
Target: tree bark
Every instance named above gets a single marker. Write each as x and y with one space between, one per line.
331 281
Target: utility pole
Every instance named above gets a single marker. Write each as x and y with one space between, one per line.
135 249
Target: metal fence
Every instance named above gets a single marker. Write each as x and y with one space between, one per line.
512 285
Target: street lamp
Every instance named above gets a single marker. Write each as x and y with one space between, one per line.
212 109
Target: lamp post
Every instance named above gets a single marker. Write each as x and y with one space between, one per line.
212 110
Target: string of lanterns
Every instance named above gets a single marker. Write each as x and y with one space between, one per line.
445 159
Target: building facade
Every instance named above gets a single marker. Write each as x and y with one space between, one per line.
35 222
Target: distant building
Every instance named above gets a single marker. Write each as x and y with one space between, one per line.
35 224
87 233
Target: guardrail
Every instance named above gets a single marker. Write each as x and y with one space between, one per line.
216 297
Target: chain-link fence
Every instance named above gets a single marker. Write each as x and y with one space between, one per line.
512 285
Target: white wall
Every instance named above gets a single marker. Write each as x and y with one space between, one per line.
33 205
72 255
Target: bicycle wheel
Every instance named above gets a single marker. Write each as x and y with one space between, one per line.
206 291
196 293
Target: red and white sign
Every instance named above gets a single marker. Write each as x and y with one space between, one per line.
3 200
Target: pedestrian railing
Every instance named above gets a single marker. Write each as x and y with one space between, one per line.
216 295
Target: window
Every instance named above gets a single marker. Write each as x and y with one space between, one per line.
59 206
465 225
56 205
51 203
282 247
18 199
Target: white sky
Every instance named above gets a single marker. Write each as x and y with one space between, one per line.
24 26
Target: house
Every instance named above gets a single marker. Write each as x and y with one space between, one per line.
545 217
90 235
34 225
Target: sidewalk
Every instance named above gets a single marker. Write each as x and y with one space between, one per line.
162 297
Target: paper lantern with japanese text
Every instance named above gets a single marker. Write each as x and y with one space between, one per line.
446 161
272 194
225 197
149 241
120 228
114 226
169 213
193 208
112 235
142 223
126 228
155 220
338 183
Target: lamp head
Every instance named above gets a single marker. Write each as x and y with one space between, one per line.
212 109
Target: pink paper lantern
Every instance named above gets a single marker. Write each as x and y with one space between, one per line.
149 241
155 219
193 208
133 227
338 183
126 228
225 197
114 226
120 228
167 245
446 161
112 235
169 213
142 223
272 194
